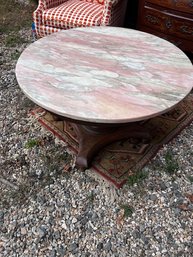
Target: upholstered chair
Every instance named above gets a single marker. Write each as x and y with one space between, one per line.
54 15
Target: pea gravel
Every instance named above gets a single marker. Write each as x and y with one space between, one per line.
49 210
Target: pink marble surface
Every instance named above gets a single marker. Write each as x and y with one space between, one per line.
104 74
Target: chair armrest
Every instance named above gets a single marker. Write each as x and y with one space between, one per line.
112 9
112 3
45 4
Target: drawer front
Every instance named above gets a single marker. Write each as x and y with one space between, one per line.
167 23
179 5
183 44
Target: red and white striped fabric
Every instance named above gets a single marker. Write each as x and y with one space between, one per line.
54 15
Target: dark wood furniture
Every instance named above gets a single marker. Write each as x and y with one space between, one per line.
168 19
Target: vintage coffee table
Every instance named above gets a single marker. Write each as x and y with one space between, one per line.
103 80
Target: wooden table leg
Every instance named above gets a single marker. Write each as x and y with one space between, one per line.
93 138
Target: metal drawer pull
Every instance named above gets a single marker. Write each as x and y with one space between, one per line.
186 30
152 19
168 24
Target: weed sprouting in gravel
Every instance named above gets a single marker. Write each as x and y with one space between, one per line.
171 164
190 178
136 178
32 143
15 55
13 40
128 210
91 196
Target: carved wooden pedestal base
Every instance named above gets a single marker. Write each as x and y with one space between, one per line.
93 138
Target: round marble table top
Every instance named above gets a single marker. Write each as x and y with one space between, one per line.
104 74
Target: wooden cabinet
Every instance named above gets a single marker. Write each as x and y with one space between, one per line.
169 19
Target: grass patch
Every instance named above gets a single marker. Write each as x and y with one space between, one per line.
171 165
136 178
15 16
15 55
13 40
190 178
32 143
128 210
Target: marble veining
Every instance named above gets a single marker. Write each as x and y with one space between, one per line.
104 74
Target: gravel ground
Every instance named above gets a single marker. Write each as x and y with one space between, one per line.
46 210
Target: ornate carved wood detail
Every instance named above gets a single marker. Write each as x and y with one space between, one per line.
183 5
152 19
169 19
168 23
187 30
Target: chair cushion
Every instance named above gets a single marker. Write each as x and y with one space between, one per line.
73 13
